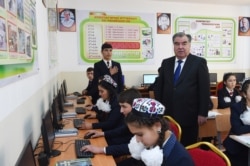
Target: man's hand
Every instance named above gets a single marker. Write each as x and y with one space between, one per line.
96 133
202 120
113 70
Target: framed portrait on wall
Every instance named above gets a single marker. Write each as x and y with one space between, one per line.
163 23
67 20
244 26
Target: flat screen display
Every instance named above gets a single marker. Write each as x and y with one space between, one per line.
240 77
48 135
149 78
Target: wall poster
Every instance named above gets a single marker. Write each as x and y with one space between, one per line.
131 35
212 38
18 39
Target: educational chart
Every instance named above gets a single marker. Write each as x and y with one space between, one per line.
18 37
212 38
131 36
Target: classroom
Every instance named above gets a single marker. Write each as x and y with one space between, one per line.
26 99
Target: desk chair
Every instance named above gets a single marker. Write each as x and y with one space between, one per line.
223 125
211 157
219 85
174 127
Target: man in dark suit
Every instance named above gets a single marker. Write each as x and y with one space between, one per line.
109 67
187 99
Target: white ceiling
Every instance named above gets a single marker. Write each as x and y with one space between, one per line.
224 2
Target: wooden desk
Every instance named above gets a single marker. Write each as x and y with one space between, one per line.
209 128
245 140
98 159
68 142
144 91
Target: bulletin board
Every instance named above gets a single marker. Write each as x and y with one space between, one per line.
131 35
18 38
212 38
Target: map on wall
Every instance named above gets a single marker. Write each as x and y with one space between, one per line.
212 38
131 35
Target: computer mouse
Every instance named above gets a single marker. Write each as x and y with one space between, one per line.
88 135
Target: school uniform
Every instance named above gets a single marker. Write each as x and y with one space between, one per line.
237 153
118 135
110 120
174 154
91 91
101 69
222 93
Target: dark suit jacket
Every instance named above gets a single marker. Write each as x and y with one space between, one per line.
100 69
224 93
91 91
190 96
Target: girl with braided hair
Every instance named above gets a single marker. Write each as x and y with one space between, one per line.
153 143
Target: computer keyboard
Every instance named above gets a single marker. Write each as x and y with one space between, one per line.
80 110
80 101
79 143
66 132
77 122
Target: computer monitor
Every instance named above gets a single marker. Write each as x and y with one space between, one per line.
48 135
240 77
63 93
60 101
213 78
27 156
149 79
56 114
65 89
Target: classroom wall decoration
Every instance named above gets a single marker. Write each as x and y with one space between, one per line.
18 38
212 38
163 23
131 35
244 26
66 20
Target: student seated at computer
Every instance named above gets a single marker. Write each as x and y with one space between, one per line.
90 89
153 143
240 124
107 108
228 95
117 138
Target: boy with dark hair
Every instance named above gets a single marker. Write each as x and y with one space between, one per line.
90 90
117 138
109 67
